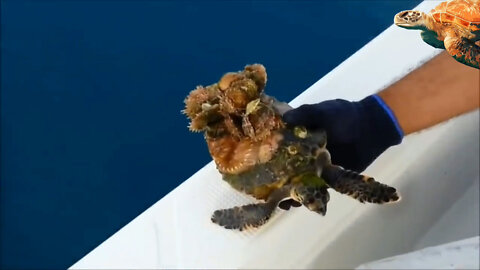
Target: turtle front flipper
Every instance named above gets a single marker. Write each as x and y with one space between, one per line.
250 215
463 50
431 38
360 187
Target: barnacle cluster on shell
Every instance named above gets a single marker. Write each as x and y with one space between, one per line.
233 106
237 118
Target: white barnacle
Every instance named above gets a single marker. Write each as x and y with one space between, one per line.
252 106
206 106
292 150
300 132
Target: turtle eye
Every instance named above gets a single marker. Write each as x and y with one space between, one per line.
403 14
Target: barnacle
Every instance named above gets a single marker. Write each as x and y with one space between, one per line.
227 79
208 114
258 74
199 96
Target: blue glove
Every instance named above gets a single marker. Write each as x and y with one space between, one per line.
357 132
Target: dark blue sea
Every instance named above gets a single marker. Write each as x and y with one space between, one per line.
91 93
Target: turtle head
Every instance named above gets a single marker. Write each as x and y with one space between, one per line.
410 19
314 198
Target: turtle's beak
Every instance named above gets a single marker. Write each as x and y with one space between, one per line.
322 210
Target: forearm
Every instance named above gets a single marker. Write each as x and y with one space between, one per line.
437 91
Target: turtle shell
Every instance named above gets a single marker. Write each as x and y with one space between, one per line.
464 13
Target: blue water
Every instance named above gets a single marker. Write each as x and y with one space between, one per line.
91 130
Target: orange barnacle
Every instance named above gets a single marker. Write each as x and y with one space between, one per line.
193 102
257 73
228 79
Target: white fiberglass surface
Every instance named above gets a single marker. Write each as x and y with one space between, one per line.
461 254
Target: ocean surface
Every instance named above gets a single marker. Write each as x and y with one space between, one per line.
91 93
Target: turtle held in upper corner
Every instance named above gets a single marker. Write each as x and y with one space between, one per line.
453 25
258 154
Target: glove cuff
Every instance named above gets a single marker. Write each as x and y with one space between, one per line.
383 128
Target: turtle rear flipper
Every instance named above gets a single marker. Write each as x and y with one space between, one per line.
250 215
358 186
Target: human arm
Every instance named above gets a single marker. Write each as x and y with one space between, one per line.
439 90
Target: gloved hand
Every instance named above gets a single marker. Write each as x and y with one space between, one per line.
357 132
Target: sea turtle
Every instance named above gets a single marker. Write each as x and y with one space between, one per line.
453 25
279 164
